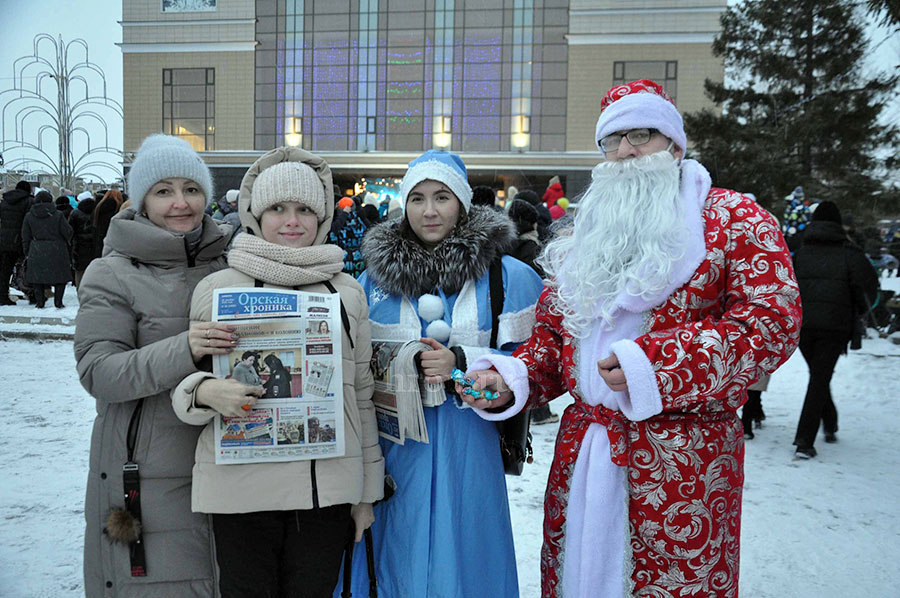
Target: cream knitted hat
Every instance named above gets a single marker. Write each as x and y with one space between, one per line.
288 181
161 157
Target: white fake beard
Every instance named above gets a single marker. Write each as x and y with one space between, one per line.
628 234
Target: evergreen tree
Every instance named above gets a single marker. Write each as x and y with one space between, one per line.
799 111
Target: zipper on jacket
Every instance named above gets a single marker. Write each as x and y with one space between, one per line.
315 487
191 259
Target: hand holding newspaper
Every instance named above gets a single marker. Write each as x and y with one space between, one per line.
401 391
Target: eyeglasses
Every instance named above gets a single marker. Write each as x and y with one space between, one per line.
635 137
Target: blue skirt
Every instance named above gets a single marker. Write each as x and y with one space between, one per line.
446 531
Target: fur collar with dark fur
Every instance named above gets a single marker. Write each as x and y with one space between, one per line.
399 264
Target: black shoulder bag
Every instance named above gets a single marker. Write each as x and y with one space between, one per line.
515 438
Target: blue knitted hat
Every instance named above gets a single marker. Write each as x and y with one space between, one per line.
443 167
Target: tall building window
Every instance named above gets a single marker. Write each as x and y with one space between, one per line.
520 125
442 74
664 72
288 77
479 88
189 106
367 75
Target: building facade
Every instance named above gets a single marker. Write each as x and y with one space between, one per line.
512 85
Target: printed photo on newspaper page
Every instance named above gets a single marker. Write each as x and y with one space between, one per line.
289 342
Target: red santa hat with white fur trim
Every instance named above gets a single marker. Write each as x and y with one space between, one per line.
637 105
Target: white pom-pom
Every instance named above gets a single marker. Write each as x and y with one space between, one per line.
430 307
439 330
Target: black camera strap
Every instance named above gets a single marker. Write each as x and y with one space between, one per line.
132 489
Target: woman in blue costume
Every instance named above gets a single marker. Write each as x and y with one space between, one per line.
446 531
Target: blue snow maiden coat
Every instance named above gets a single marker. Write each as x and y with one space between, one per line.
446 531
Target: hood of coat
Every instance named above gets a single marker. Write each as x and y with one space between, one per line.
135 237
15 196
276 156
42 210
824 232
399 264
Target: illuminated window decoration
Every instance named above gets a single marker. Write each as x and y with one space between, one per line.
479 90
520 117
382 75
189 106
404 97
288 74
367 75
442 75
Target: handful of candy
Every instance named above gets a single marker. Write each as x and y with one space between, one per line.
459 376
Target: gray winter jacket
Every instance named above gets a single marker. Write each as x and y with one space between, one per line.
131 343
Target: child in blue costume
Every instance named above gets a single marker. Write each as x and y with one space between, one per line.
446 531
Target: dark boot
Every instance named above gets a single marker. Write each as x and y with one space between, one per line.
39 298
58 292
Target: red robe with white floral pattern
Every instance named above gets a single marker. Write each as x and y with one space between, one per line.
737 319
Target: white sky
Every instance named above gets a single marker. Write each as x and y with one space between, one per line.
96 21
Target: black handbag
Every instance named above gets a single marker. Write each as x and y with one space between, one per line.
515 437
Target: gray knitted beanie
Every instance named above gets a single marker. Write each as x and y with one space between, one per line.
288 181
161 157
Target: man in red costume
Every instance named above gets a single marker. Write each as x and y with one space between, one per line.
668 298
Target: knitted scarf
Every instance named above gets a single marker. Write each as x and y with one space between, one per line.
285 266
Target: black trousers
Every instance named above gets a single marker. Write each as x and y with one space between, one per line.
281 554
752 410
7 264
821 350
40 297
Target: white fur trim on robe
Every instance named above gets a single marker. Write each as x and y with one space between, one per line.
642 399
514 373
515 327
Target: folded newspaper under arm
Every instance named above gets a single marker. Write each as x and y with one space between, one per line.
401 391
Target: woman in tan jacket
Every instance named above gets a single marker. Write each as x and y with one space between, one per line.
133 345
280 527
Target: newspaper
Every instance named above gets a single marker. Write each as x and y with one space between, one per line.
289 342
401 391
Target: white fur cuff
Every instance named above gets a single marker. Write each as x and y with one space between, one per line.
473 353
514 373
642 399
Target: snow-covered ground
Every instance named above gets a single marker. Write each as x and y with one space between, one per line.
824 528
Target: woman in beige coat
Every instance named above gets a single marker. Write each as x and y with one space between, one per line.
133 346
280 527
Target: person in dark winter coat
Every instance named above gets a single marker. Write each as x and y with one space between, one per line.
544 217
45 241
106 208
484 196
279 383
83 250
13 208
837 284
526 248
347 231
63 205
